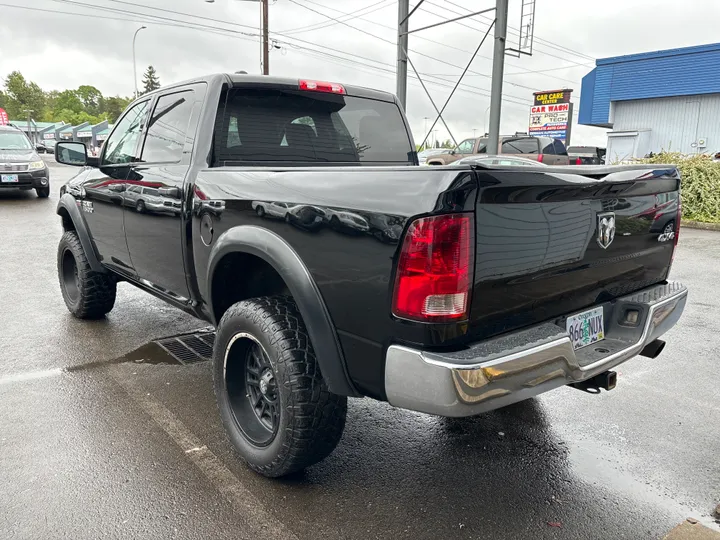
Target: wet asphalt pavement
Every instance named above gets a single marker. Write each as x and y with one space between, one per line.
92 446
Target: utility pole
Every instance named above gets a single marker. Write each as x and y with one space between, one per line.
29 112
266 41
498 71
402 48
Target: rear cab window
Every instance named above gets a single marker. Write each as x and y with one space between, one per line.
520 146
287 127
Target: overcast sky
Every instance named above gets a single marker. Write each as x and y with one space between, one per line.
93 46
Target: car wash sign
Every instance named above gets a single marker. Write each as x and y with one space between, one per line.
551 115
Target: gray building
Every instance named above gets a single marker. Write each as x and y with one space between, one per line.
658 101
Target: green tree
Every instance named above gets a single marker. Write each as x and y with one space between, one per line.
23 95
150 80
68 99
114 106
91 98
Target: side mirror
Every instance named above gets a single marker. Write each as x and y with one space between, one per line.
452 152
71 153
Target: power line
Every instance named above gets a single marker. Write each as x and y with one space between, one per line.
356 13
364 18
242 35
394 44
515 31
546 42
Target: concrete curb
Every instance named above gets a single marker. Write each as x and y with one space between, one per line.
700 225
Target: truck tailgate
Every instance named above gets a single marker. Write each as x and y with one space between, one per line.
550 243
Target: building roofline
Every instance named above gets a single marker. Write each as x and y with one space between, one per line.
658 54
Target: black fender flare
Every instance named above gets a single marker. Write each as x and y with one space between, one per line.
69 204
282 257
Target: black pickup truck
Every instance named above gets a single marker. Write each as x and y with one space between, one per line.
292 216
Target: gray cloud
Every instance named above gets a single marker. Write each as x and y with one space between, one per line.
63 51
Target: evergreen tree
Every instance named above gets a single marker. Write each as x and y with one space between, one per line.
150 80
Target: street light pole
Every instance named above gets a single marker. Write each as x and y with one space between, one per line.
485 120
134 63
266 41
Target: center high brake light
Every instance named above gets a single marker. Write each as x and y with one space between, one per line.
434 271
320 86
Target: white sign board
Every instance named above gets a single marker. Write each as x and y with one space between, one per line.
84 134
550 121
48 135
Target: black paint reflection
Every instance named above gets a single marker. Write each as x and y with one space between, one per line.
312 218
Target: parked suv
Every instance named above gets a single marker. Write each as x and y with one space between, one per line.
20 165
542 149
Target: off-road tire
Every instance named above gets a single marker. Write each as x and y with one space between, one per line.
95 290
43 192
311 418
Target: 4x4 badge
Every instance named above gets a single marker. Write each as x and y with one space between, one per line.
606 229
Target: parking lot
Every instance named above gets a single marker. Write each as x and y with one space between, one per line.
101 435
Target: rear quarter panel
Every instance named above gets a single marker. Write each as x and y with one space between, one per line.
345 224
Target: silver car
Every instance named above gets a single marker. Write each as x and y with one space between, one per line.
144 199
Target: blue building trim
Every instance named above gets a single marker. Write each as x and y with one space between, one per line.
673 72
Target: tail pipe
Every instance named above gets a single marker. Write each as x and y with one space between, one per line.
606 381
653 349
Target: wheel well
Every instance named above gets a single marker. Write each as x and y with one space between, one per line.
239 276
67 222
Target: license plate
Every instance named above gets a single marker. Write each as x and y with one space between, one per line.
586 328
9 178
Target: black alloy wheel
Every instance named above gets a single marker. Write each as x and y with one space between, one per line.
70 275
274 403
252 389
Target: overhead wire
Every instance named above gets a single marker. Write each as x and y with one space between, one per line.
412 50
446 45
388 68
516 31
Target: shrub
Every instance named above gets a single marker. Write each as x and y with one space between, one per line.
700 185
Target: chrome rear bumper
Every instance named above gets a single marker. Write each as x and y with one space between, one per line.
500 371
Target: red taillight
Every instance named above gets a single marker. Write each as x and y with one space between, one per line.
320 86
435 269
540 158
578 161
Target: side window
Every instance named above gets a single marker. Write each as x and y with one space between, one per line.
465 147
548 147
560 149
168 128
122 144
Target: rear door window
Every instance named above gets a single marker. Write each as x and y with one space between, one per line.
548 146
263 125
520 146
559 148
168 128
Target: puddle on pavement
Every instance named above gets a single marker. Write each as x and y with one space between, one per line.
182 349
